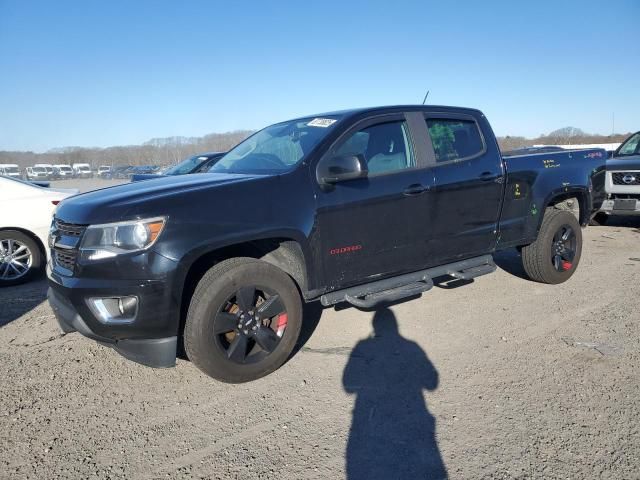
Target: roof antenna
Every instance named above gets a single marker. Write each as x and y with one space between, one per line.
425 97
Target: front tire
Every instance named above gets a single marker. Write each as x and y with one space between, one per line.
20 258
244 320
554 256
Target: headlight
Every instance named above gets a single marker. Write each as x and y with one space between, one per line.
111 239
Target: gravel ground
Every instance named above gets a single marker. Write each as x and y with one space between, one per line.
502 378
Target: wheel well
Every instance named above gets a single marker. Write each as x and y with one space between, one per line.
32 236
284 253
571 202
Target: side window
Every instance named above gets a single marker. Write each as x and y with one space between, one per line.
631 146
385 147
454 139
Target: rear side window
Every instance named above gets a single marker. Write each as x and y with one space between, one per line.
454 139
385 147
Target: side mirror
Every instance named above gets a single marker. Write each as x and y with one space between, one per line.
340 169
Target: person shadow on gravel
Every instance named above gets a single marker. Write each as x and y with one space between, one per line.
392 433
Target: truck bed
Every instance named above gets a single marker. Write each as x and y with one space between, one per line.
534 178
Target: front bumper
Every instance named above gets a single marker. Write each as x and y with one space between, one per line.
153 352
152 337
623 206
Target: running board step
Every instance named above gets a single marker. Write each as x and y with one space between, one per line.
473 272
391 295
403 286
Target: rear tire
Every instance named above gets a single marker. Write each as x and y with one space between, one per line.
244 320
20 258
552 258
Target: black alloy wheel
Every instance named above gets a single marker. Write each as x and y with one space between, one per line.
244 320
564 248
250 324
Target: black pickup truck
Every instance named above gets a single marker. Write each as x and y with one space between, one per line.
361 206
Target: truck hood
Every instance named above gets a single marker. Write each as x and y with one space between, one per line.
133 200
624 163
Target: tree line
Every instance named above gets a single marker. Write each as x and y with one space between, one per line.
169 151
562 136
154 152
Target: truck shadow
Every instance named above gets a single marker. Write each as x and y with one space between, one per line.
18 300
629 221
511 262
392 433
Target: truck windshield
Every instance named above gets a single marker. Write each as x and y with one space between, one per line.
39 169
277 148
630 147
11 169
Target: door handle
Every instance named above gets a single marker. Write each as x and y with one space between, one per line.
415 189
488 176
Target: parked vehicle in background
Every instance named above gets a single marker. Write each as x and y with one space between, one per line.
144 169
63 171
622 184
361 206
51 174
196 164
10 170
82 170
24 227
104 171
37 173
120 171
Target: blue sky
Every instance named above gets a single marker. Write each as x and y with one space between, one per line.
117 72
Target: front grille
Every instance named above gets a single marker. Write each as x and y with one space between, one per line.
69 229
633 178
67 240
66 258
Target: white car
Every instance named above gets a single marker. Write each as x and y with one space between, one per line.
82 170
48 168
37 173
63 171
25 218
10 170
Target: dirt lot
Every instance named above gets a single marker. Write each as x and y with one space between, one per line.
503 378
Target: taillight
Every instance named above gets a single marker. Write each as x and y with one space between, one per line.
55 202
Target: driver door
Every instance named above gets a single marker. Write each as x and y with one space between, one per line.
367 226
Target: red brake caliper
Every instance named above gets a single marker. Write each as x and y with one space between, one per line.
566 265
282 324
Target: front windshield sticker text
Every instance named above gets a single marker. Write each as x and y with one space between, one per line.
321 122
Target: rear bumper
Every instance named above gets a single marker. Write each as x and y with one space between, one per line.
153 352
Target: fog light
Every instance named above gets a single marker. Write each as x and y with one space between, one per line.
114 309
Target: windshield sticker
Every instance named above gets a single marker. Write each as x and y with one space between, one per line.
321 122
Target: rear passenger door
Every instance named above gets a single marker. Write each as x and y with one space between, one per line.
467 194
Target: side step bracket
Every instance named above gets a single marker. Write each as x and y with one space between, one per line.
396 288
